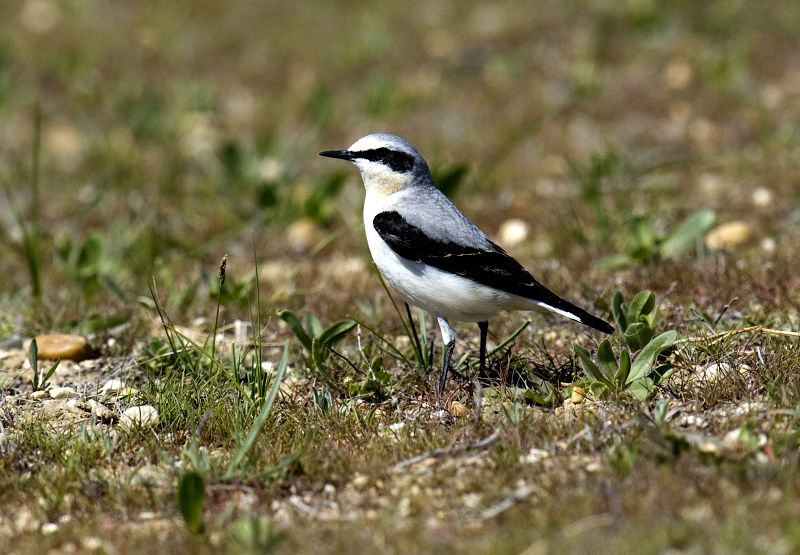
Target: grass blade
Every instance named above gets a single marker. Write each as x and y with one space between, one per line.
266 408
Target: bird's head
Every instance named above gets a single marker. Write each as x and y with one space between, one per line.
387 163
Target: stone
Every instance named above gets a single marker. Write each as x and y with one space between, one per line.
140 416
578 395
534 456
762 197
728 235
513 232
63 347
100 410
63 393
359 481
112 385
678 74
78 406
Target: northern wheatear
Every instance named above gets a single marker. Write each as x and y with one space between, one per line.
432 255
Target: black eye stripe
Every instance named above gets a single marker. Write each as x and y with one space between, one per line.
398 161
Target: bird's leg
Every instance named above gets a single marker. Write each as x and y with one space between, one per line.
415 337
484 327
449 339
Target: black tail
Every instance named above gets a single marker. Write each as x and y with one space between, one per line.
563 307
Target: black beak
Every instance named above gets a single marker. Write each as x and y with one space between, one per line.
341 154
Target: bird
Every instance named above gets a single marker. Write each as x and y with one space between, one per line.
433 256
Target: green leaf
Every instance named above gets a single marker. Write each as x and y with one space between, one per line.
643 363
643 308
49 374
376 365
607 360
599 389
618 310
191 495
638 335
624 367
590 368
247 444
687 234
616 261
33 359
313 325
662 372
336 332
297 328
641 389
644 236
321 345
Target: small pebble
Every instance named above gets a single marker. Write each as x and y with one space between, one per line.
534 456
62 346
728 235
100 410
762 196
49 528
112 385
63 393
513 232
40 394
78 406
143 416
678 74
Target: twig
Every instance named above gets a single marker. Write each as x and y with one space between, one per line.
732 333
522 492
449 452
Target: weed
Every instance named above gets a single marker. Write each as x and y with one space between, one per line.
190 498
40 376
31 230
646 245
316 340
633 372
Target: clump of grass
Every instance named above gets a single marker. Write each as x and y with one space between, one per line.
31 228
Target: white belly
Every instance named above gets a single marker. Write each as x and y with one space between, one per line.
438 292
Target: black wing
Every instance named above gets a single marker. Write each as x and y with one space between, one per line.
493 268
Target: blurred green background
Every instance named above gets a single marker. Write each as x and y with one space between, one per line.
176 132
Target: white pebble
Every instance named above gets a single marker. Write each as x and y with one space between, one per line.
143 415
513 232
92 544
112 385
63 393
49 528
100 410
534 456
762 196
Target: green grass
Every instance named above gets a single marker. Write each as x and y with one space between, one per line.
140 147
